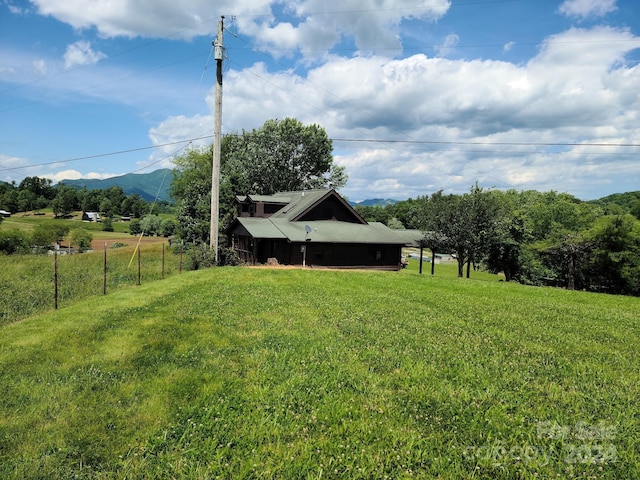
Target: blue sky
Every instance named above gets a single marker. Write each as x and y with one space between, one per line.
417 95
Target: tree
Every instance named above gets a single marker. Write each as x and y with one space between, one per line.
46 233
26 200
191 186
168 228
107 224
13 241
9 200
134 227
635 209
373 213
151 224
107 207
280 156
116 196
462 224
431 214
504 252
569 256
614 266
404 211
66 201
40 187
297 157
133 205
81 238
481 212
395 224
90 199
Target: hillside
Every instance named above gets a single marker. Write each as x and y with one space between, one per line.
375 202
629 201
291 373
147 185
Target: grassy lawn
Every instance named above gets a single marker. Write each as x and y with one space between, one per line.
290 373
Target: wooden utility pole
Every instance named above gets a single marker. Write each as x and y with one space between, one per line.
215 173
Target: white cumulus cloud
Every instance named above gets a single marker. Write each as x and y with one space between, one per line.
81 53
587 8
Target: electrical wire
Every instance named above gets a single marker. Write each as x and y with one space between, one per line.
345 140
109 154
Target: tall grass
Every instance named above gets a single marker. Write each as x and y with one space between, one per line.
28 281
257 373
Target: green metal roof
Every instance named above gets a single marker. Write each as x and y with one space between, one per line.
323 231
282 224
299 202
260 228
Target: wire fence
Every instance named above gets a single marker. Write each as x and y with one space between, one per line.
35 283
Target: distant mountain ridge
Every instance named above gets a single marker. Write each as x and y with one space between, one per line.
375 202
147 185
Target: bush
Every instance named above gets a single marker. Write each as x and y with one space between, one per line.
134 227
81 238
107 225
168 228
14 241
151 224
228 257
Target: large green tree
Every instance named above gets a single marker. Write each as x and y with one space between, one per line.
65 202
282 155
614 266
460 224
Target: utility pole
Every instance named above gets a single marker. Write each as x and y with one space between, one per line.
217 128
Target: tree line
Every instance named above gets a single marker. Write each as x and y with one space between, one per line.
34 194
536 238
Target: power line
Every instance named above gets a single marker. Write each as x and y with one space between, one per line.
520 144
345 140
100 155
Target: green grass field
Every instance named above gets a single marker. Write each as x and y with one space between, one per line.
290 373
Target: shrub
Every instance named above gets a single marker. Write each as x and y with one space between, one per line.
134 227
107 225
14 241
81 238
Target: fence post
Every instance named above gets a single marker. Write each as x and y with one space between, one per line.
55 277
181 251
138 264
104 282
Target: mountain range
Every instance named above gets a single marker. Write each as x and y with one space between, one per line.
158 182
147 185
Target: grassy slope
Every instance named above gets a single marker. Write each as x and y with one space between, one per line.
261 373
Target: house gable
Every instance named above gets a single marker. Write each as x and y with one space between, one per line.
315 205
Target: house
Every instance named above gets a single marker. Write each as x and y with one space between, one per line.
316 228
91 217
